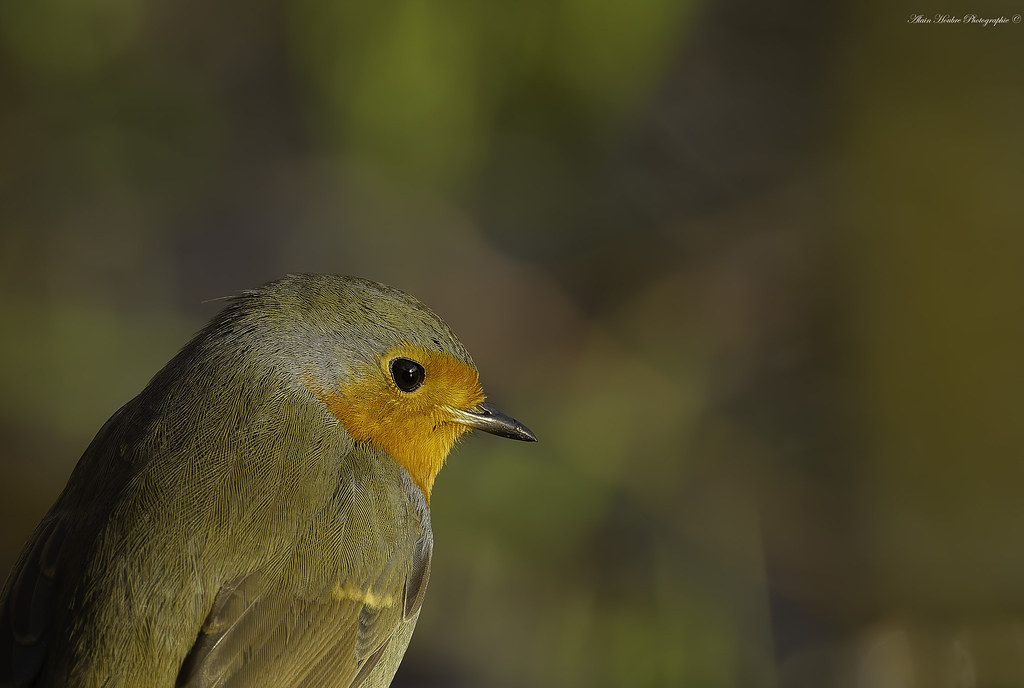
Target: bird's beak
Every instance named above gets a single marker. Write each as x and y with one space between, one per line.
489 419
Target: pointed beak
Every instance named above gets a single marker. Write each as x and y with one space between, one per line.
489 419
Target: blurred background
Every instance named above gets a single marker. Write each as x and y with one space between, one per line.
754 273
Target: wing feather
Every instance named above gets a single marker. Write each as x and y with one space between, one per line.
339 615
98 598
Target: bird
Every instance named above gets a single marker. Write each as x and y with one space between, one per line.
259 515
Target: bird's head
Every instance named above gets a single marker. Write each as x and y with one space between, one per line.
386 367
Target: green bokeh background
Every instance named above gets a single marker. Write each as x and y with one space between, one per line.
754 274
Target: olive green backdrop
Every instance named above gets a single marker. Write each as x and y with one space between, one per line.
754 274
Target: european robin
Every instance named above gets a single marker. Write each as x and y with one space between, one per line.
259 514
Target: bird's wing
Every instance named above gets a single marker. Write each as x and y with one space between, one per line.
314 625
259 630
335 608
35 601
29 603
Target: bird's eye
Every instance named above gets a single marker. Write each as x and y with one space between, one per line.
407 374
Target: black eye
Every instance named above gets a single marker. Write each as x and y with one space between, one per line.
407 374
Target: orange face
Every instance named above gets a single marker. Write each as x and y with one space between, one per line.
405 406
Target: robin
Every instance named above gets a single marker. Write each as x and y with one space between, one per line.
259 514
